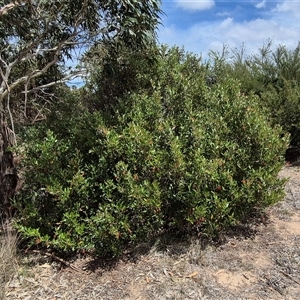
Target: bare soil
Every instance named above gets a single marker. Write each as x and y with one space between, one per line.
258 261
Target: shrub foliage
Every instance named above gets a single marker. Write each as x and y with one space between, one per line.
172 153
272 74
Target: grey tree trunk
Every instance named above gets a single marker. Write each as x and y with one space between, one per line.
8 172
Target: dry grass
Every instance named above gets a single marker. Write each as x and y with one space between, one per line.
8 256
257 261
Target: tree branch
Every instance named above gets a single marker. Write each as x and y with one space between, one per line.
73 75
34 73
6 8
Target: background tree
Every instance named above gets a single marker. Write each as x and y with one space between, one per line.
48 37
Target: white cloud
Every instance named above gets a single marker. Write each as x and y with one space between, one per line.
226 23
195 4
223 14
205 36
281 25
261 4
288 7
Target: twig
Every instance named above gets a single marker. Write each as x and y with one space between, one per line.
52 255
272 243
6 8
273 285
290 277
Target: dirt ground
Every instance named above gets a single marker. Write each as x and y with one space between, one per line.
259 261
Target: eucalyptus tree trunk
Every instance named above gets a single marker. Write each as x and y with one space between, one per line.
8 172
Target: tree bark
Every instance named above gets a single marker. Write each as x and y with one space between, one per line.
8 172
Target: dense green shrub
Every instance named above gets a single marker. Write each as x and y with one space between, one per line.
175 154
272 74
283 105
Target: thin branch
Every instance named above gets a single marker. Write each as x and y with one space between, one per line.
54 257
25 54
67 78
5 76
33 74
290 277
6 8
78 16
11 119
26 97
4 82
31 51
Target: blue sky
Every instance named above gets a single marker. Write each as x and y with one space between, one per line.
203 25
